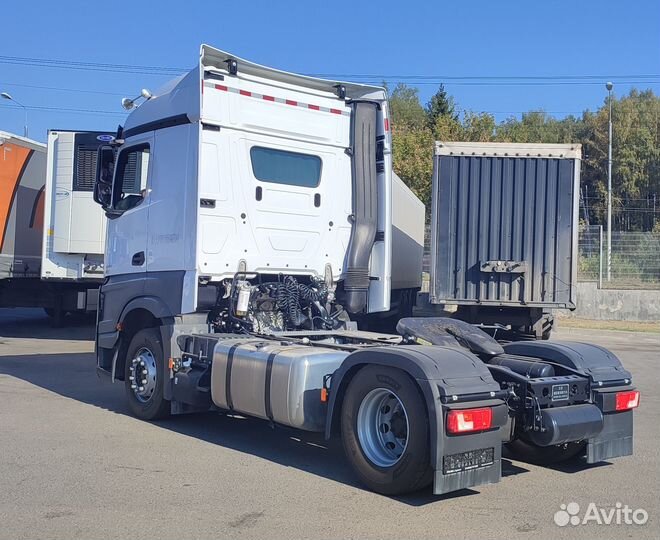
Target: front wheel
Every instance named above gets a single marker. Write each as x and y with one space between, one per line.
385 431
144 376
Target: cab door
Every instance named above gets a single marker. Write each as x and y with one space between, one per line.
127 238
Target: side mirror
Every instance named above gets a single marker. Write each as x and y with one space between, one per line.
105 167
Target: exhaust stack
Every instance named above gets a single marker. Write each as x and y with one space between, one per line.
365 205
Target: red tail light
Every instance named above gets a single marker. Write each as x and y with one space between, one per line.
627 400
469 420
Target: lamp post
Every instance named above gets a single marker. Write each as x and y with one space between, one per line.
5 95
609 87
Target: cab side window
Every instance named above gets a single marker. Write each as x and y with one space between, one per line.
130 186
284 167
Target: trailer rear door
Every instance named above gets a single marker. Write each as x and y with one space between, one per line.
504 224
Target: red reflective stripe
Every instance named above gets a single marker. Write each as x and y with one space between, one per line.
387 124
287 101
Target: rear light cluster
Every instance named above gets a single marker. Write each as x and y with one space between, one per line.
469 420
627 400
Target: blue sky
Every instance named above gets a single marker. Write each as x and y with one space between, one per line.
405 38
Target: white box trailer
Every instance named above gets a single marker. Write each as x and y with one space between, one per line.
53 234
252 229
74 235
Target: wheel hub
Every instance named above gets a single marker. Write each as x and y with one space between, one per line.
142 374
382 427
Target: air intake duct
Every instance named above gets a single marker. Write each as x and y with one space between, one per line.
365 205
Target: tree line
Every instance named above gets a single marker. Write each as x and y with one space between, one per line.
636 148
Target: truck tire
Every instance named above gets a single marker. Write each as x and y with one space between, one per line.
144 375
544 455
385 431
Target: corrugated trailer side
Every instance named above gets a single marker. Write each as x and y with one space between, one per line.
504 224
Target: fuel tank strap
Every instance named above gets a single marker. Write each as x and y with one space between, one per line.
268 405
269 375
230 363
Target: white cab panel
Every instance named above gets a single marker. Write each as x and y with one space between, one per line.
272 226
173 199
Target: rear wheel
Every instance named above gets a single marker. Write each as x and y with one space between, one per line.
544 455
144 376
385 431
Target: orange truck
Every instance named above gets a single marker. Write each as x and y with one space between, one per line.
22 184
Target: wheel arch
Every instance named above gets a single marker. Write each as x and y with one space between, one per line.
141 312
411 364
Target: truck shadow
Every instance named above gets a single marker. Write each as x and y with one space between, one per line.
74 376
35 324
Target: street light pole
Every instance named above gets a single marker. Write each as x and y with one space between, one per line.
609 87
5 95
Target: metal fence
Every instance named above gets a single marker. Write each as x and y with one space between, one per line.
634 261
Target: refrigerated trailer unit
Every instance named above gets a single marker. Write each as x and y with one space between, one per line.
74 231
74 236
504 225
250 228
53 233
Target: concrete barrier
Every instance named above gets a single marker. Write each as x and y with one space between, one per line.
614 304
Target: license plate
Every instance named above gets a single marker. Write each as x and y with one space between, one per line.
559 392
472 459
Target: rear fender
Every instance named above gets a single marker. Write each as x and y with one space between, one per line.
447 378
600 365
607 375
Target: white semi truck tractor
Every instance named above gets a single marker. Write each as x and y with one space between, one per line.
251 236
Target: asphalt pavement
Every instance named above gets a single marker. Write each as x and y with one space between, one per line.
75 464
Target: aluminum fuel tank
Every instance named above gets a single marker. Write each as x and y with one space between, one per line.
273 380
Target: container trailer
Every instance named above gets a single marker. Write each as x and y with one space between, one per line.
504 225
251 228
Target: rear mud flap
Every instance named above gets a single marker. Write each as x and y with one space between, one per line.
464 461
615 440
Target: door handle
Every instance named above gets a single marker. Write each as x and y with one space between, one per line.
138 259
